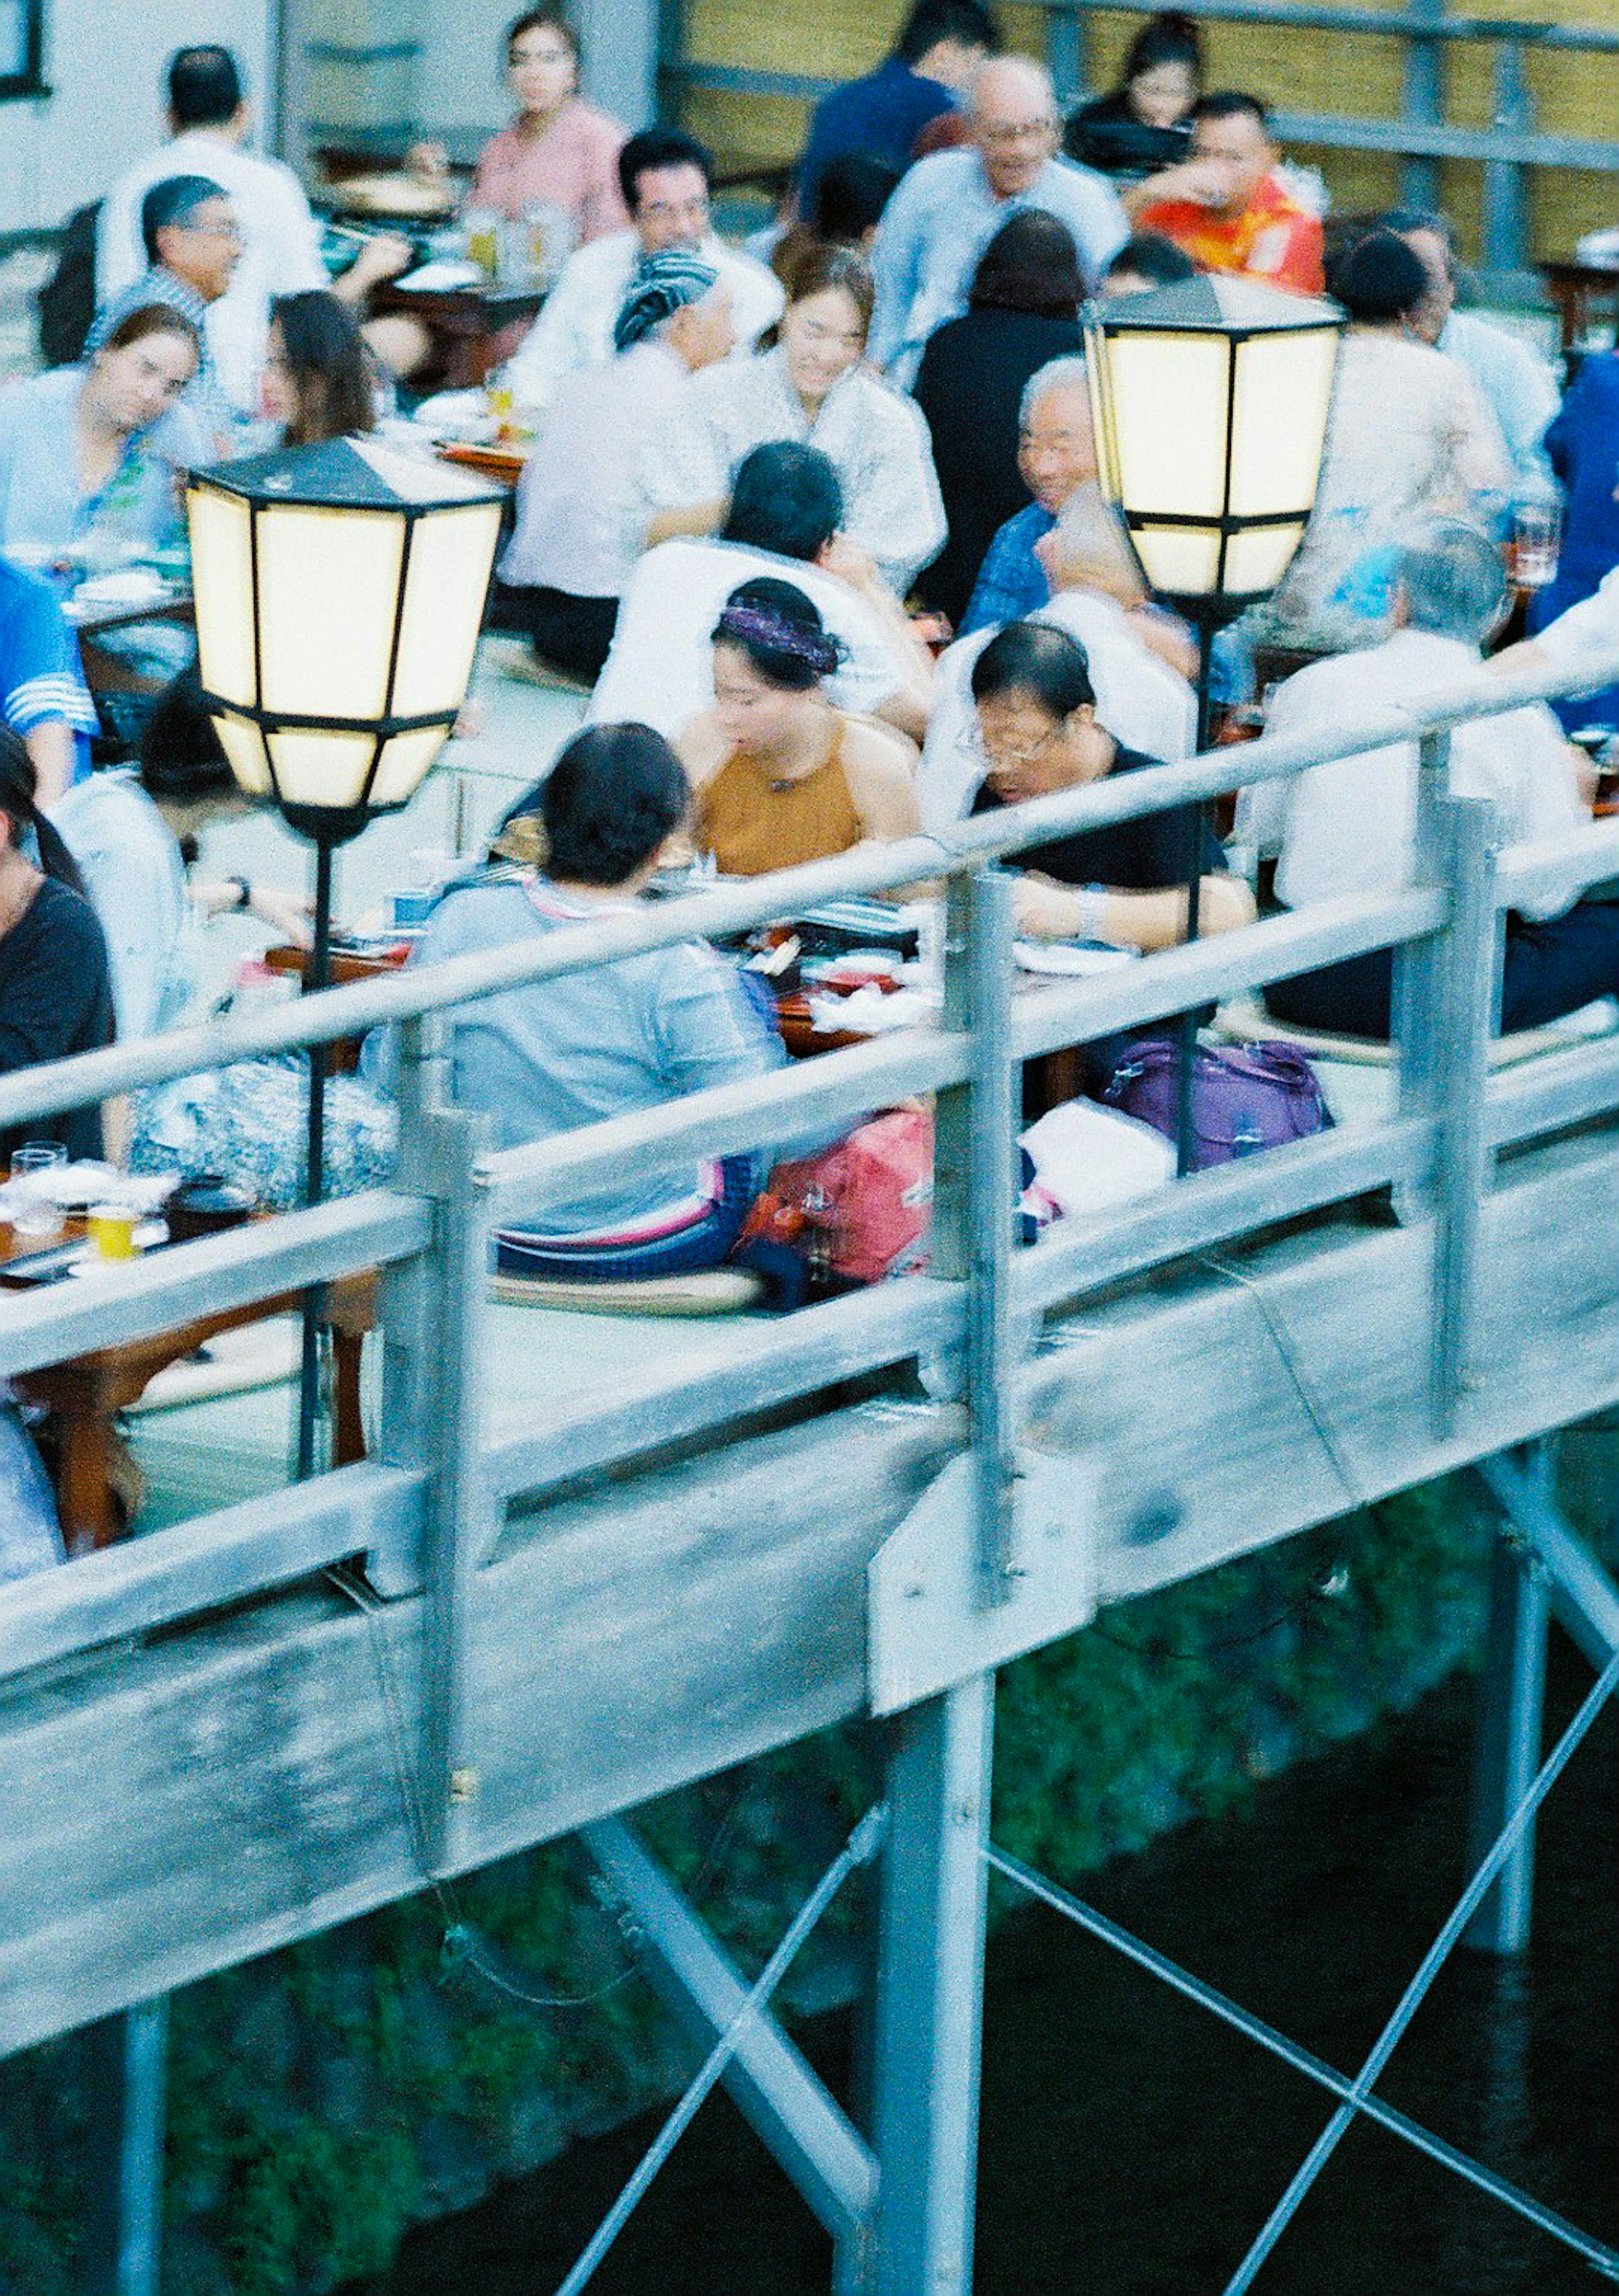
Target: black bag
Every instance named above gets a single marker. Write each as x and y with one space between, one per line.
67 301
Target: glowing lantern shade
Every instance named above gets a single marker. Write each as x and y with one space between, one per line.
339 590
1210 400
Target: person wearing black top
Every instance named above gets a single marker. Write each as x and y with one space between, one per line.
1125 884
1142 126
1022 313
55 992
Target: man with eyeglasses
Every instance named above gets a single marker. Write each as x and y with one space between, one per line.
950 206
667 179
193 244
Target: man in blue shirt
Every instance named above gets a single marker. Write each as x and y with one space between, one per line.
1056 454
932 65
43 693
951 205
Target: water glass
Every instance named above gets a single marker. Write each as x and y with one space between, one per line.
1537 538
34 1212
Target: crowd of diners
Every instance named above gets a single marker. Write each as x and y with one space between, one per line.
815 522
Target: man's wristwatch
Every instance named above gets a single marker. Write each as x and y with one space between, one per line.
244 892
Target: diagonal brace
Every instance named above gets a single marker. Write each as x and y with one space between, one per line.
1303 2060
1583 1595
772 2084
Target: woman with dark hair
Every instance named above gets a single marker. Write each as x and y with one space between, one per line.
1022 311
815 386
1036 734
554 1056
317 380
54 996
1141 128
1409 439
90 456
129 831
780 776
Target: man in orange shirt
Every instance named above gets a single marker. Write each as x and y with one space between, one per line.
1225 206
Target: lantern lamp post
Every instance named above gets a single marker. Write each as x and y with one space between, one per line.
340 592
1210 401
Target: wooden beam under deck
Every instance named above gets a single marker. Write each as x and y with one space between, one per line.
171 1809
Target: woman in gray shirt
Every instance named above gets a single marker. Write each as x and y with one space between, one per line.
555 1054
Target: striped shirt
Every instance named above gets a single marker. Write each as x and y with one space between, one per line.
41 680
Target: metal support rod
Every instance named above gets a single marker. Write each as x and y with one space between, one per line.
1196 822
777 2093
1422 90
1584 1597
128 2065
930 1990
1505 217
318 976
1508 1749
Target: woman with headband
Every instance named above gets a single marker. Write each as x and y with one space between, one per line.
780 777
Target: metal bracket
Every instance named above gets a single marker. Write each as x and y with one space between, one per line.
930 1626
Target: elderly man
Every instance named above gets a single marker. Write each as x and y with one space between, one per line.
1056 453
785 508
949 207
666 178
193 243
1514 382
209 122
1346 828
1226 208
573 551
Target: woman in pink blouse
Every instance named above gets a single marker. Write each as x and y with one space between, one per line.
560 150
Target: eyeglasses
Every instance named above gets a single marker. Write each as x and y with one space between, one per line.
1005 756
231 233
1004 137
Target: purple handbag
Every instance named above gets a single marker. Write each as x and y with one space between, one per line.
1245 1098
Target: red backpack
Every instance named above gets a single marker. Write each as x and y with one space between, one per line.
859 1211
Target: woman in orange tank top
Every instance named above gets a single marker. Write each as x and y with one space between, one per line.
780 775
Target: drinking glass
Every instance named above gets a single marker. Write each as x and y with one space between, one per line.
34 1211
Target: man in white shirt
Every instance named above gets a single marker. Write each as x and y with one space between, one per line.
1348 827
667 179
950 206
785 508
576 545
209 120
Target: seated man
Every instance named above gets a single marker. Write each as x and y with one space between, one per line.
572 553
1515 383
1228 210
950 206
941 45
1346 828
193 244
1056 453
1035 708
554 1056
786 506
667 179
1140 662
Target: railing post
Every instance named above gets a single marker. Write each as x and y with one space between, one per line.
1422 104
407 1306
1445 1001
1067 42
930 1974
1504 219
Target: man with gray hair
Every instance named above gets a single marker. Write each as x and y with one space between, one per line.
1056 453
1346 828
950 206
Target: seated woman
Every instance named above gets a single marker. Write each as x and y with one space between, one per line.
555 1054
1036 729
129 830
813 387
1408 439
54 996
780 776
90 456
1022 311
318 382
1140 133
